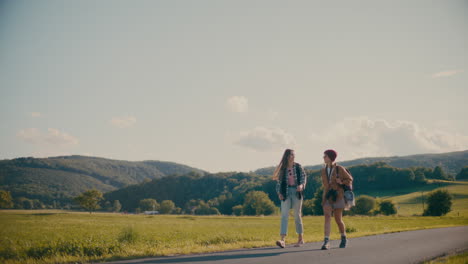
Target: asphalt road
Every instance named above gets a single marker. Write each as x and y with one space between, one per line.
402 247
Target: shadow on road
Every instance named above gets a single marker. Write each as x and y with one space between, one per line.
257 253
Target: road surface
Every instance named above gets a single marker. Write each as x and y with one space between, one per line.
402 247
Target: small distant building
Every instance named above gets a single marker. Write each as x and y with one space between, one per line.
151 212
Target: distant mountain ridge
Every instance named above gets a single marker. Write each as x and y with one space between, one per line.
451 162
61 178
67 176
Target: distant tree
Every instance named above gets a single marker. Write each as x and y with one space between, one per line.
166 206
439 203
38 204
308 207
205 209
191 206
258 203
23 203
463 174
149 205
224 203
317 201
6 201
89 200
439 174
117 206
237 210
364 205
28 204
108 206
419 176
387 207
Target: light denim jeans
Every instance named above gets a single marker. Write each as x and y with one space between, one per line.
291 202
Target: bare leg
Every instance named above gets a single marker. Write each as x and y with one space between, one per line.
327 212
339 221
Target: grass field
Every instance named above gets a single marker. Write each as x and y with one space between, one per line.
59 236
62 236
456 259
409 200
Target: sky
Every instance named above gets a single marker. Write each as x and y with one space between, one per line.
229 85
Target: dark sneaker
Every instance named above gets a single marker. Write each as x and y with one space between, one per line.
326 244
280 243
343 242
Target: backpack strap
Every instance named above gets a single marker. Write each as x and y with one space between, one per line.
345 187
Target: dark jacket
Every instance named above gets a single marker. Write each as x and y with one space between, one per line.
282 183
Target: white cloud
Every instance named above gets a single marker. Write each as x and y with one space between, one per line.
56 137
123 122
30 135
36 114
265 139
363 137
446 73
53 137
238 104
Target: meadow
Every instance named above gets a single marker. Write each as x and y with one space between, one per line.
56 236
60 236
409 201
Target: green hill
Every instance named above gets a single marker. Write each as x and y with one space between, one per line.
225 190
451 162
59 178
410 201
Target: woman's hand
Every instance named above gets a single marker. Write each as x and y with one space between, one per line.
338 180
280 196
300 188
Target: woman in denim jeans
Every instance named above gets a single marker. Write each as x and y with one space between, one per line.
291 181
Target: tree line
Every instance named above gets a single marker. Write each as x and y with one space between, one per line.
234 193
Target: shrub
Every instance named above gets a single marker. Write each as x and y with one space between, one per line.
258 203
438 203
387 207
308 207
364 205
128 235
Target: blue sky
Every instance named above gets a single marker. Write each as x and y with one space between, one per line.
228 85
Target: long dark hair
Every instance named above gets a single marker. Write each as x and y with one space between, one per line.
283 164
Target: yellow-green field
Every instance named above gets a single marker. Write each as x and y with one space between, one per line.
456 259
410 203
60 236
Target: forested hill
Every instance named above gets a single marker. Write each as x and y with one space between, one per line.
58 178
451 162
225 190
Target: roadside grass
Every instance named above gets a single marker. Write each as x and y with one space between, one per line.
61 236
455 259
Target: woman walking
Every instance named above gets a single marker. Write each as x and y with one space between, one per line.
291 181
334 179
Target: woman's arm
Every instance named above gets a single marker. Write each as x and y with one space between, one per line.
324 184
303 178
